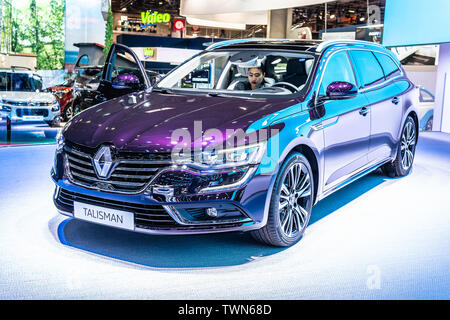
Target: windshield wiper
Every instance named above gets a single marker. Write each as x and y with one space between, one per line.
217 94
162 90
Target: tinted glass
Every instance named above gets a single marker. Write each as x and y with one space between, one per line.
227 71
18 82
388 65
125 71
338 69
5 81
426 96
84 61
367 67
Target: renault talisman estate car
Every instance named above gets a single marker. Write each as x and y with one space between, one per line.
198 154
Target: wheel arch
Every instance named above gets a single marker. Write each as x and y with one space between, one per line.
309 154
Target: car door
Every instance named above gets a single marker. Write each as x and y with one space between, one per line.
123 73
378 73
346 125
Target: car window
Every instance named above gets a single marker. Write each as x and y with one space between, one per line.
227 70
37 82
152 76
19 82
86 75
276 67
83 61
367 66
125 70
338 68
426 96
5 81
390 68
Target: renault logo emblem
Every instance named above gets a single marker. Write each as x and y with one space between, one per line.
103 162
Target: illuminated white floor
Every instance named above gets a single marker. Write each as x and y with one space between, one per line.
377 238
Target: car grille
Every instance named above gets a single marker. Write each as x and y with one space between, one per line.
145 215
131 174
32 112
27 103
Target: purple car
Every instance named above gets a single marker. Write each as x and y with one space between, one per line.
245 136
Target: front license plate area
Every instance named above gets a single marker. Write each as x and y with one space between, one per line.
106 216
33 118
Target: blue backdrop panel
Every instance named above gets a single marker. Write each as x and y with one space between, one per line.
416 22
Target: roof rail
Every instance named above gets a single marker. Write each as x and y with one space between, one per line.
229 42
234 41
20 67
328 43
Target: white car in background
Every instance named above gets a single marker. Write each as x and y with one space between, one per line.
425 109
22 98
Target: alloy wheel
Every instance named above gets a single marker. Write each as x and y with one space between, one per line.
295 198
69 113
408 143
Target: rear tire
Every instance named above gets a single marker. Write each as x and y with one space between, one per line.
406 149
290 205
429 124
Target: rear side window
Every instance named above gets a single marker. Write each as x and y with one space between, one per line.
426 96
390 68
367 66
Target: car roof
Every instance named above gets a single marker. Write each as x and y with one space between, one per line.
16 71
21 71
304 45
293 44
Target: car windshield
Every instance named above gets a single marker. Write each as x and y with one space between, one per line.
88 74
69 81
229 71
19 82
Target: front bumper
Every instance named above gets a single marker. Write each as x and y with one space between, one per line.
25 114
239 210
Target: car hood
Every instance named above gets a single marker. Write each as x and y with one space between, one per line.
21 96
146 121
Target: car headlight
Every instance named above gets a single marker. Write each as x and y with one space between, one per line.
55 103
229 157
5 108
59 141
224 170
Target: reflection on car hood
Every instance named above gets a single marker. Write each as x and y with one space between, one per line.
146 121
21 96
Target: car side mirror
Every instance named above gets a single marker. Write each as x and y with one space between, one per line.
339 90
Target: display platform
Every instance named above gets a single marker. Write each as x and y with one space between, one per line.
378 238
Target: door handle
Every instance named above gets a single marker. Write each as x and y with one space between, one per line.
364 111
395 100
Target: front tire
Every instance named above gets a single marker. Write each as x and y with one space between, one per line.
290 205
68 112
406 149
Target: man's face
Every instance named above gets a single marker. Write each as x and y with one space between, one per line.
255 77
